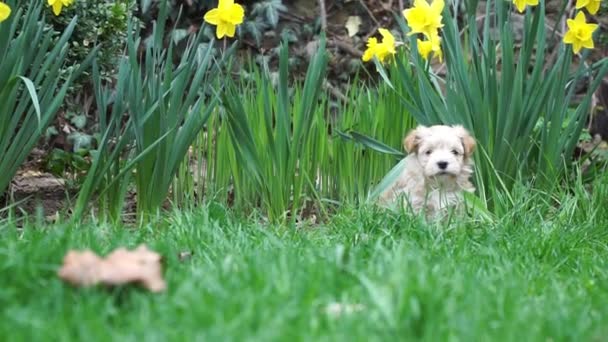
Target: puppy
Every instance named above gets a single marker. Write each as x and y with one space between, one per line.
437 170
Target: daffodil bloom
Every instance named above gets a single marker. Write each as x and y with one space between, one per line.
5 11
370 52
580 34
427 46
521 4
226 17
381 50
58 5
592 5
425 18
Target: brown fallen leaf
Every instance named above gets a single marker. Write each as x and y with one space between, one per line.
141 266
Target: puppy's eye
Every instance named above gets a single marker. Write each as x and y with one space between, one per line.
428 152
456 153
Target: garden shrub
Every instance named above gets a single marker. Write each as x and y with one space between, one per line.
100 22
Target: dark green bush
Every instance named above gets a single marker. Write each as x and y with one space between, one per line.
100 22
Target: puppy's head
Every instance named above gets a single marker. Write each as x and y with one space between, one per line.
441 150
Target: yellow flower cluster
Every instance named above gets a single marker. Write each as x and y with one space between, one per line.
426 19
423 18
580 33
226 17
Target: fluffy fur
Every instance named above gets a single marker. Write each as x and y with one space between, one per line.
437 171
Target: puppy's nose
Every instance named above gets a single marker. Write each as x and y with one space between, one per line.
442 165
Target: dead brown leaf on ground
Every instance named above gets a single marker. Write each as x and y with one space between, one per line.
140 266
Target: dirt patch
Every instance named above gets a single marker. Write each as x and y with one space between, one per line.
33 190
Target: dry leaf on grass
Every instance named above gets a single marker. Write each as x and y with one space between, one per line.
141 266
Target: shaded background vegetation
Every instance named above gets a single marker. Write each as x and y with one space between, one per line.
65 151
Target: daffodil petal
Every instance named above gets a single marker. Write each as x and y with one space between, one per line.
387 36
437 6
570 23
5 11
520 5
580 18
221 30
430 35
225 4
421 3
424 48
581 3
57 8
592 27
593 7
230 29
236 14
588 44
569 37
212 17
415 19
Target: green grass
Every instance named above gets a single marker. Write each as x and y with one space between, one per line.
538 272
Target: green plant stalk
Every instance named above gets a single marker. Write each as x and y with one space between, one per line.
185 102
373 119
167 107
271 133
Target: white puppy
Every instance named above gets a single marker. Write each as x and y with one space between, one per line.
437 170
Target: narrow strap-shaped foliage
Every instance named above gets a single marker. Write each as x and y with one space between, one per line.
520 109
30 55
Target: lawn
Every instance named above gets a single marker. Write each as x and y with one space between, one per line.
538 272
251 169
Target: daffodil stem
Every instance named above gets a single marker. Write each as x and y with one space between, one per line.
323 15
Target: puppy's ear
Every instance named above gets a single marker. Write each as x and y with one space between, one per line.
467 140
412 140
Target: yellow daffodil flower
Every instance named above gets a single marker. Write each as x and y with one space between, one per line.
381 50
226 17
58 5
592 5
580 34
425 18
521 4
5 11
427 46
372 46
